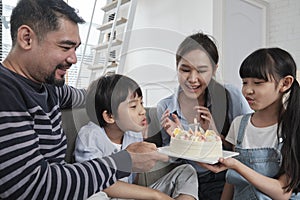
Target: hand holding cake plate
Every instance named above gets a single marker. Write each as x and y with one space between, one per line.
197 145
208 160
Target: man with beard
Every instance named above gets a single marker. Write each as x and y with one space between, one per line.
45 37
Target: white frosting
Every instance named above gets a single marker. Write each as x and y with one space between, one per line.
198 149
197 145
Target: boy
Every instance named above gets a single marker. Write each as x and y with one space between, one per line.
115 108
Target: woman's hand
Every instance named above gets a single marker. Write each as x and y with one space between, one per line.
205 118
169 124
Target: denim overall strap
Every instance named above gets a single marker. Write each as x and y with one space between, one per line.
266 161
242 127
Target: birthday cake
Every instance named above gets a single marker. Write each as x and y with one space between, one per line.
196 144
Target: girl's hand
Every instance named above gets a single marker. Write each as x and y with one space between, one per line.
223 164
169 124
205 118
157 195
216 168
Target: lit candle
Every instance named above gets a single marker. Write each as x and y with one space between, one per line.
196 125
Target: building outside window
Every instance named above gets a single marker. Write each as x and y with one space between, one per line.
88 32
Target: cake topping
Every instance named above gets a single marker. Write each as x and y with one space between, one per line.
208 135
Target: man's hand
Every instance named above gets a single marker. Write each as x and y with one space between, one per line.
144 155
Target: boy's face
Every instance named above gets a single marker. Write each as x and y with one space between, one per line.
132 114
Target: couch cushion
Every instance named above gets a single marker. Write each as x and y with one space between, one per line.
72 121
154 134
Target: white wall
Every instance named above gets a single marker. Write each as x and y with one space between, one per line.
244 29
158 28
284 26
236 36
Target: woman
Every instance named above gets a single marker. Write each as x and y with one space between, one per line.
202 98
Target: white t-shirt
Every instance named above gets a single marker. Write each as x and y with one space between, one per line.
254 137
118 146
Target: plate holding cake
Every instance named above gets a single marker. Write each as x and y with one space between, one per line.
197 144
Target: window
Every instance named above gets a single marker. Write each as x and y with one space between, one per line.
7 6
89 35
88 32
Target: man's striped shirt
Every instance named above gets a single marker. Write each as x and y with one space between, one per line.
33 144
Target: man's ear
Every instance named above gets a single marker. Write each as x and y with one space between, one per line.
109 118
25 36
286 83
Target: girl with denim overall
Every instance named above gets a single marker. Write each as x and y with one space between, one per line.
264 160
268 165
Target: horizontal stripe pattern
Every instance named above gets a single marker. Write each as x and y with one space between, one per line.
33 144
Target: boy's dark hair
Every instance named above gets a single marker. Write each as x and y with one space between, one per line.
42 16
106 94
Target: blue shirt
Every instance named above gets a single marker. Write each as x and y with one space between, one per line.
237 105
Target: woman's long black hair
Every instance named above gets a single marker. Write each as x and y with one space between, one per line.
218 93
277 63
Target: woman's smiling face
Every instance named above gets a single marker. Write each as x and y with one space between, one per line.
195 71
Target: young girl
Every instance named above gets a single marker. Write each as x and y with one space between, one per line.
272 91
200 96
115 107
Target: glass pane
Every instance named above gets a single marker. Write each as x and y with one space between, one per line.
88 32
7 6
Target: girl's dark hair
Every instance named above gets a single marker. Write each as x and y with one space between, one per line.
42 16
277 63
106 94
198 41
